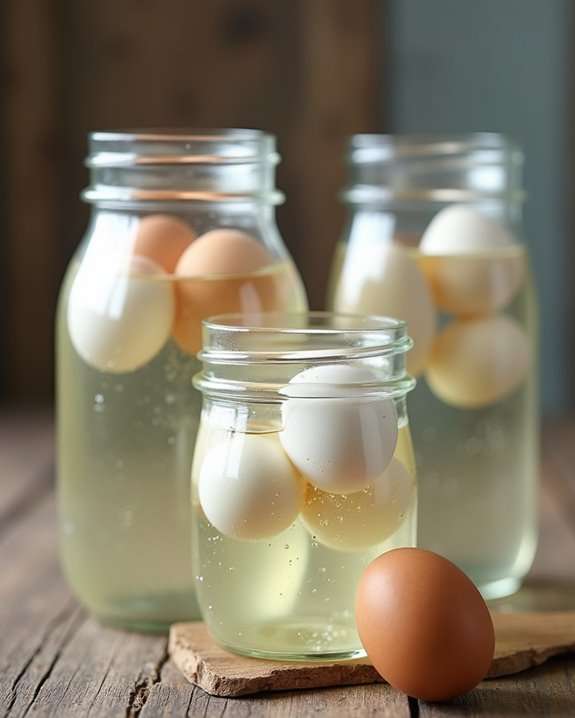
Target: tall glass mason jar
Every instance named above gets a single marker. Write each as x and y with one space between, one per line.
434 238
182 227
303 473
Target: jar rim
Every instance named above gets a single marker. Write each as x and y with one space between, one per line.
407 170
180 146
139 167
287 342
178 134
269 321
418 144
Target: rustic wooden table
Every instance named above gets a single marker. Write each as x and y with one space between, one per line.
55 660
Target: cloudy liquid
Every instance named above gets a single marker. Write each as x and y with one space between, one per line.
125 445
287 596
477 468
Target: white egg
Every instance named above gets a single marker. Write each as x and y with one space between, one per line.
339 439
247 487
386 280
120 318
476 362
471 261
357 521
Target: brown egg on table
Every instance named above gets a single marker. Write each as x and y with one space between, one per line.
424 625
163 239
221 272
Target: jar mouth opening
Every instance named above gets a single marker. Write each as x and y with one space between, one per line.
180 146
407 171
253 357
178 134
308 322
379 147
140 167
279 337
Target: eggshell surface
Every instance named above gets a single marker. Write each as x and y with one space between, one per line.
338 439
472 262
247 487
460 229
162 239
119 319
223 251
477 362
358 521
218 275
424 625
391 284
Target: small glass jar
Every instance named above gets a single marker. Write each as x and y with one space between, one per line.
182 227
303 473
434 238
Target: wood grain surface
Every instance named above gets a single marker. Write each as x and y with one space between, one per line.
56 661
523 640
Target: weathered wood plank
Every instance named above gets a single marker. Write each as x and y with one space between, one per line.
357 701
55 661
545 691
172 695
100 672
36 611
26 460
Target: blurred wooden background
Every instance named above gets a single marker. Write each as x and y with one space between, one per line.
305 70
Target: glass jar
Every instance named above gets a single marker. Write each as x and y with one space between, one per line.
182 227
303 473
434 238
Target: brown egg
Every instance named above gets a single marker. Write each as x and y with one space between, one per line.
424 625
223 251
201 292
163 239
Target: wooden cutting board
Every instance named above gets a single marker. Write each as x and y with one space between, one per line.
523 640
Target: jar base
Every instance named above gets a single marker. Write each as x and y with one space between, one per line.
151 613
325 657
135 626
302 640
501 588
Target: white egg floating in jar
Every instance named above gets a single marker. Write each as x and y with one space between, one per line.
339 439
120 318
248 489
393 286
472 262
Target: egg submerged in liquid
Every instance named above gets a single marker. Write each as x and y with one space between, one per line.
162 239
366 518
472 262
247 487
219 273
380 277
476 362
338 441
120 317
